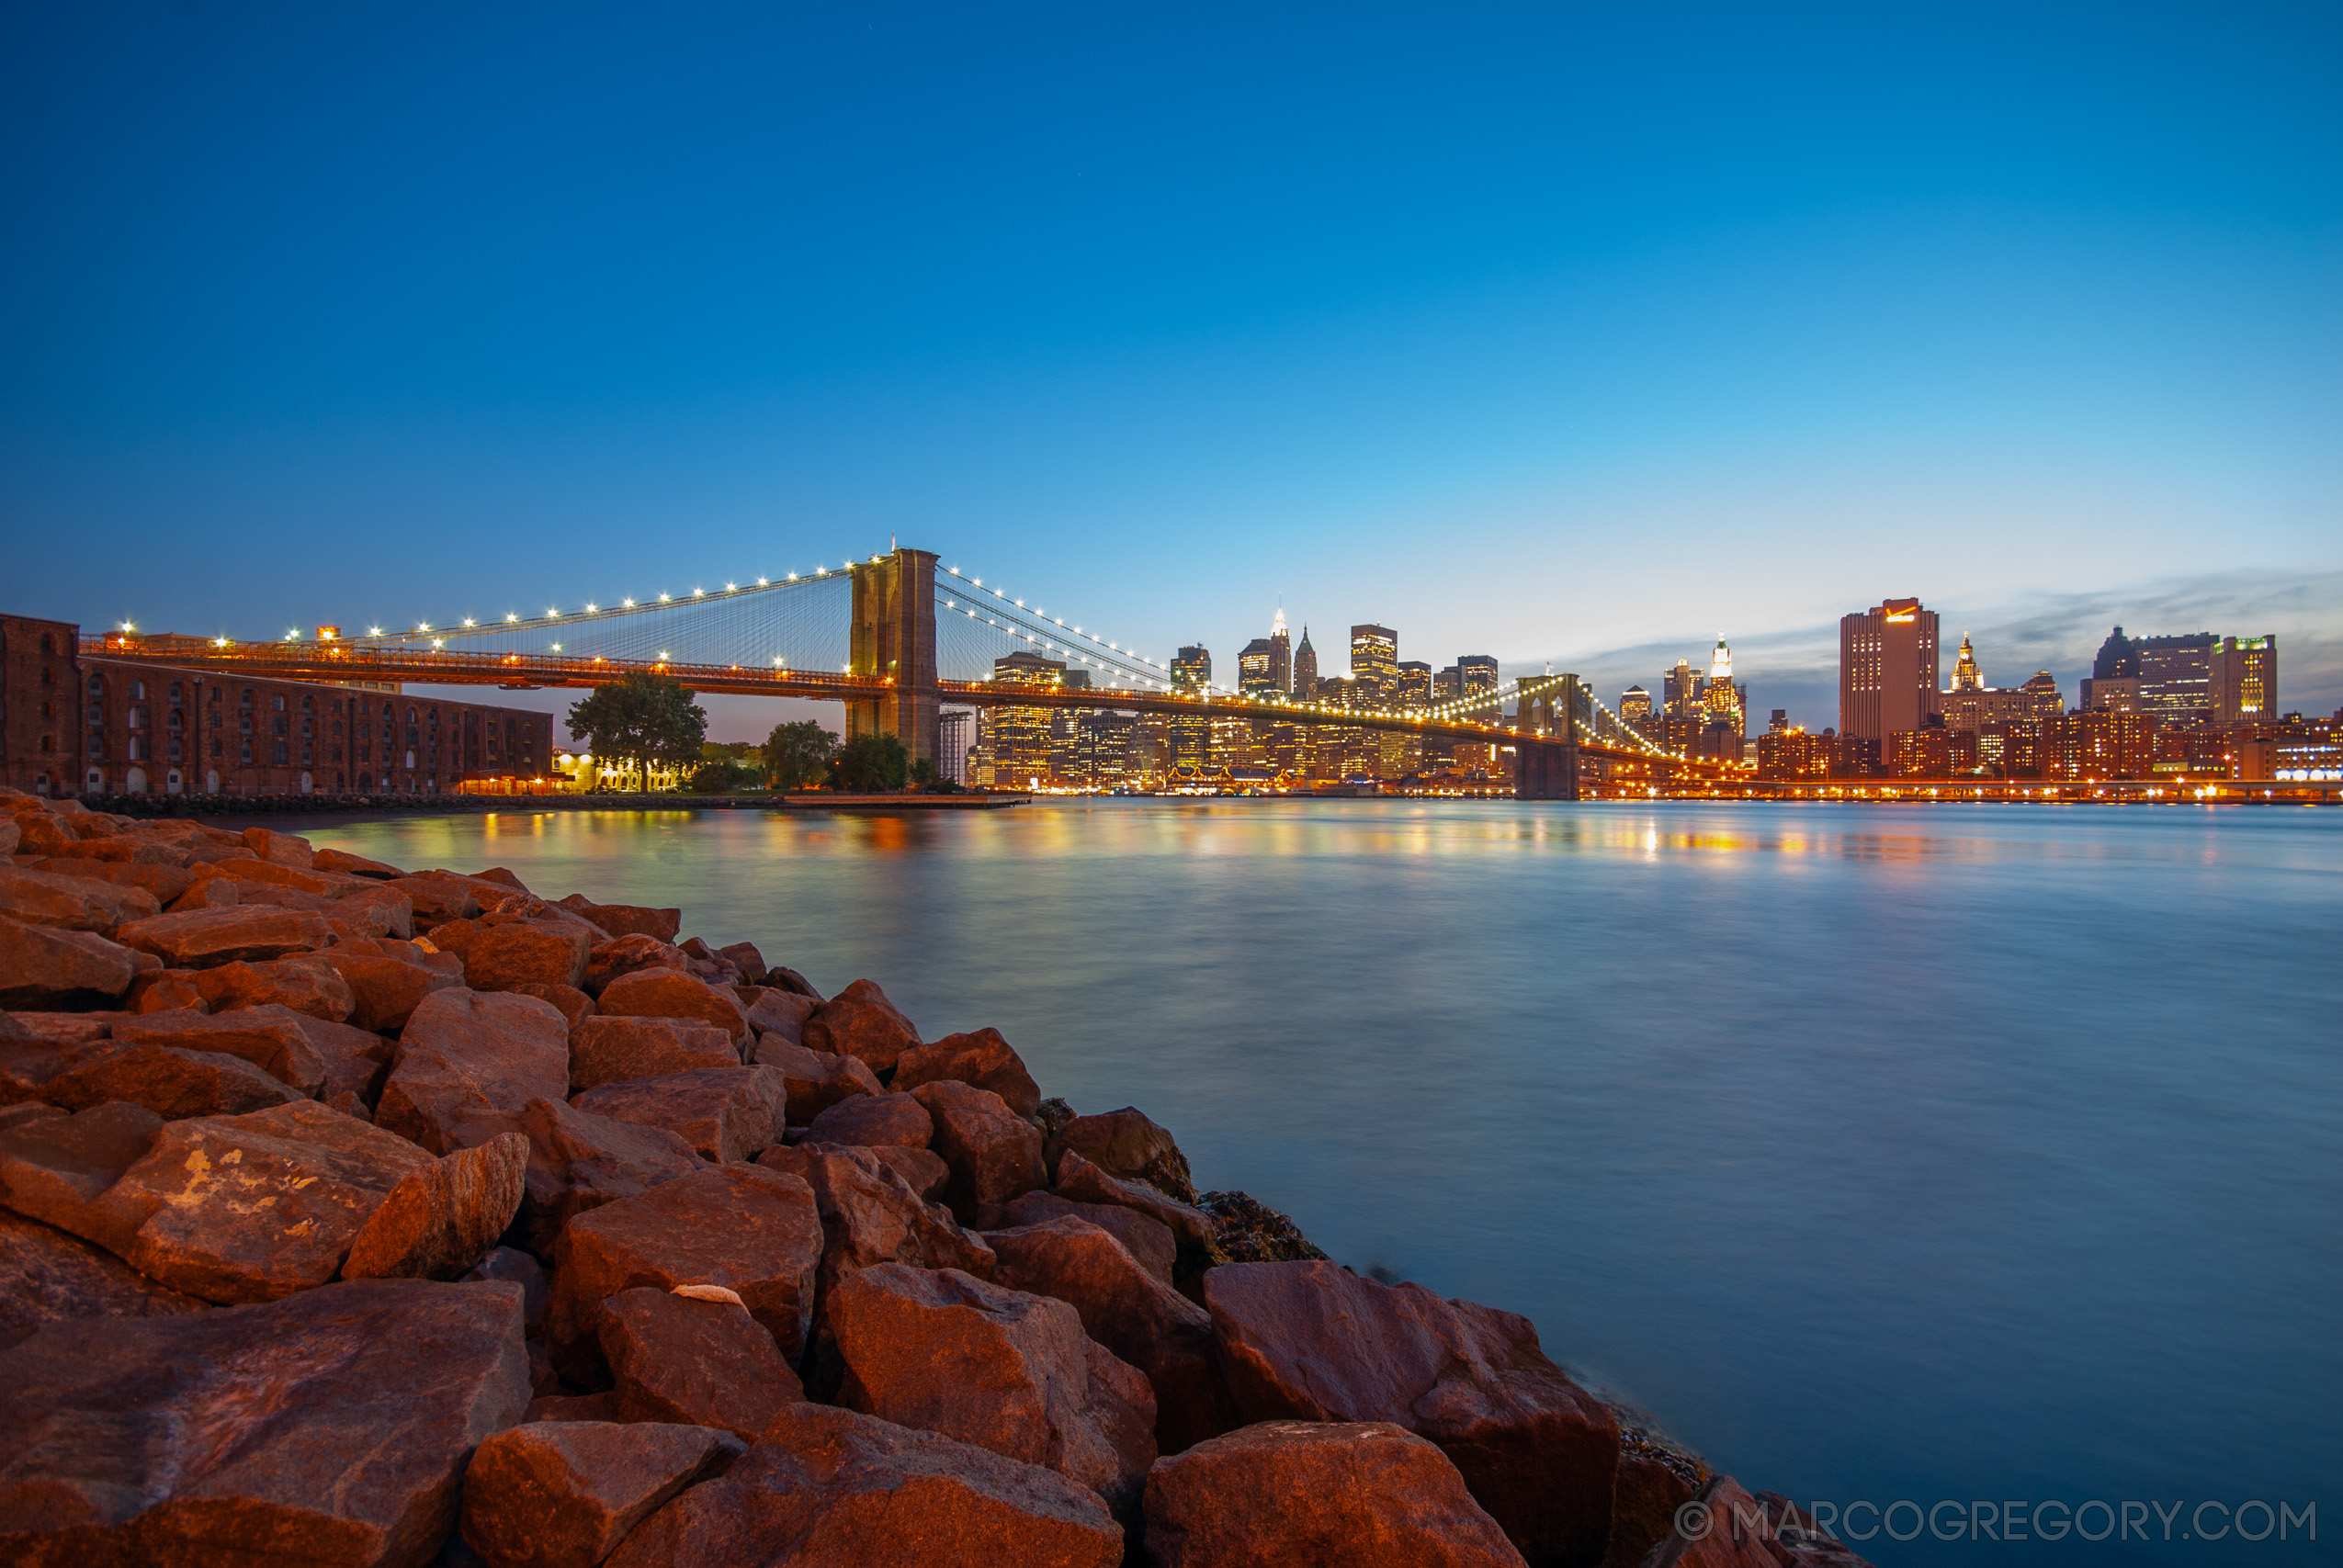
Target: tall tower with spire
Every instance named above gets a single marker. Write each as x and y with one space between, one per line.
1281 653
1305 667
1964 673
1722 702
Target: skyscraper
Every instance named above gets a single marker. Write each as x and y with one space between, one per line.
2176 677
2244 680
1722 702
1413 686
1021 740
1887 669
1374 664
1635 703
2113 685
1306 668
1280 654
1256 670
1191 737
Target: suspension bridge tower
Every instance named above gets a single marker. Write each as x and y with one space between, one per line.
894 635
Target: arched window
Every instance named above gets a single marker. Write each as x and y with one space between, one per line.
277 703
307 707
247 699
138 690
48 645
98 685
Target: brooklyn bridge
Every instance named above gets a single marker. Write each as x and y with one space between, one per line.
898 638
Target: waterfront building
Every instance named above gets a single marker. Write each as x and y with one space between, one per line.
2103 743
1192 738
1887 669
2243 679
1634 703
957 749
1973 707
1103 746
1413 688
1789 752
1931 751
1020 744
2113 685
1680 691
1374 664
2176 677
581 772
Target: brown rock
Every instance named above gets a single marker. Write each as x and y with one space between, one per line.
579 1161
256 873
280 849
603 1406
164 881
829 1489
994 1154
161 990
17 1115
780 1012
663 993
743 956
1127 1144
869 1215
55 1169
783 979
871 1119
44 967
757 1232
574 1005
608 961
1366 1494
704 1363
1085 1183
1131 1311
201 939
65 1028
1149 1241
71 903
207 893
270 1038
725 1113
441 1221
628 919
520 1267
499 953
356 1060
49 1276
469 1063
252 1208
816 1080
388 980
606 1049
436 899
564 1494
922 1170
333 1427
981 1060
1740 1534
344 864
860 1021
173 1084
1314 1342
1652 1484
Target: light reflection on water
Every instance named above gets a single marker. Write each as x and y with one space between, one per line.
1886 1152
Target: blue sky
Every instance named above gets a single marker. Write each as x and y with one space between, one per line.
1550 332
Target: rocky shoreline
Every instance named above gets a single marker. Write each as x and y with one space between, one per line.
356 1214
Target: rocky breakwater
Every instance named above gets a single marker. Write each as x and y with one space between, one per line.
371 1216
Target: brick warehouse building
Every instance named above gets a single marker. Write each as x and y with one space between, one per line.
75 721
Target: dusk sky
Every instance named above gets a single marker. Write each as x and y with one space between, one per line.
1573 334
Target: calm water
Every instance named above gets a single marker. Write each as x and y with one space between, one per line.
1929 1152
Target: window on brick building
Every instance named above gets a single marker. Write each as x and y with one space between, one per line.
245 751
176 720
308 706
137 716
48 644
215 721
98 685
49 743
244 723
138 690
309 756
97 714
47 676
277 703
215 744
248 697
176 692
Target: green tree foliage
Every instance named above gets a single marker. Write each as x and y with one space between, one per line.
641 721
799 754
869 762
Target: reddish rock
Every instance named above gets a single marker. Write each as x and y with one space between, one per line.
1739 1534
871 1119
207 893
162 990
55 1169
754 1231
469 1063
201 939
745 957
606 1049
252 1208
922 1170
388 980
344 863
1125 1144
164 881
1366 1494
860 1021
830 1489
331 1427
725 1113
1131 1311
437 899
603 1406
945 1351
280 849
869 1216
783 979
71 903
356 1060
579 1161
499 953
981 1060
609 959
510 1263
663 993
1651 1486
703 1363
994 1154
564 1494
41 966
1149 1240
270 1038
1085 1183
441 1221
49 1276
783 1013
65 1028
173 1084
258 873
815 1080
1314 1342
308 983
628 919
574 1006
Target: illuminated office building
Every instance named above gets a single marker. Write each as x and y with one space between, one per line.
2243 678
1887 669
2176 677
1374 665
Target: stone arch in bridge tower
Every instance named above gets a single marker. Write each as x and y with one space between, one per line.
894 636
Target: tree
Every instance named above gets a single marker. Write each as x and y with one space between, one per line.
798 754
870 762
641 721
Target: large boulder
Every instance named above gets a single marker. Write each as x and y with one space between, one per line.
604 1049
469 1064
706 1364
663 993
830 1489
1654 1481
860 1021
344 863
281 848
437 898
981 1059
71 903
1086 1183
42 966
164 881
579 1161
574 1006
441 1221
608 961
994 1154
945 1351
745 957
1314 1342
627 919
1131 1311
270 1038
754 1231
564 1494
47 1276
356 1060
57 1169
500 951
725 1113
1333 1494
1127 1143
201 939
169 1082
922 1170
781 1012
330 1427
1736 1530
1149 1241
308 983
815 1080
869 1215
388 979
870 1119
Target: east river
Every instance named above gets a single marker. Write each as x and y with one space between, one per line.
1940 1154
